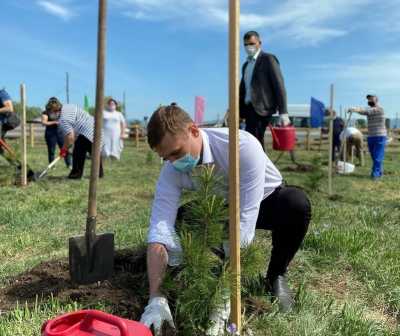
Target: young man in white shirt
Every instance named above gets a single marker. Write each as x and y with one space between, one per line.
265 203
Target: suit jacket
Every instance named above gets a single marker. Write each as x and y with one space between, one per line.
268 88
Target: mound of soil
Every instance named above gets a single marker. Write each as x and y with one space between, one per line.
300 168
125 292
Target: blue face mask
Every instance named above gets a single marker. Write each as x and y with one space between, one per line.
186 163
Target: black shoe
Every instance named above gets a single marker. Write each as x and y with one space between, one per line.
280 290
75 176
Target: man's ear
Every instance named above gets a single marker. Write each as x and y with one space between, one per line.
194 129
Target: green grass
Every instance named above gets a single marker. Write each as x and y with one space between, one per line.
347 275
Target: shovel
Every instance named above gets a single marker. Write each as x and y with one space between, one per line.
13 160
51 165
91 257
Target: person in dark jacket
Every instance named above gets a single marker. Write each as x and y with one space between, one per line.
262 88
338 126
53 137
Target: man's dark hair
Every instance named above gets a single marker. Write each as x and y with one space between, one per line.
166 119
250 34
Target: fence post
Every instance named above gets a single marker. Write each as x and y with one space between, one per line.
32 134
24 180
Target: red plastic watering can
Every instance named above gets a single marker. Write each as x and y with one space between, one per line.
93 323
283 138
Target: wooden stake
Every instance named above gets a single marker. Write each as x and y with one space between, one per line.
234 197
330 143
136 127
32 134
24 180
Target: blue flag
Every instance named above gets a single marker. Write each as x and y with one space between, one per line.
317 111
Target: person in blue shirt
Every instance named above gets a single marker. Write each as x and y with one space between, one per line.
6 107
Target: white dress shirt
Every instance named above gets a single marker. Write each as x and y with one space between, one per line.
248 75
348 132
258 179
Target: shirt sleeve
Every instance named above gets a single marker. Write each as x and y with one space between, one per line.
122 118
66 121
371 110
252 180
278 85
165 208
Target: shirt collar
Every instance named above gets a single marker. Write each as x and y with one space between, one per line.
254 58
207 155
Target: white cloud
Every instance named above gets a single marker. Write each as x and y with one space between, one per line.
56 9
375 72
307 22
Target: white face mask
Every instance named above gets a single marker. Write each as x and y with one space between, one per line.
251 50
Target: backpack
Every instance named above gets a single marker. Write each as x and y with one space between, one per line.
11 121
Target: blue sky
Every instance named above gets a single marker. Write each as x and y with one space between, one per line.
161 51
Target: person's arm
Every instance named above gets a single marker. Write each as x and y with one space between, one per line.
367 111
123 126
162 236
278 84
157 261
69 139
8 107
253 163
46 122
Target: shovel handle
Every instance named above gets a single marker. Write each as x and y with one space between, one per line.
92 315
98 118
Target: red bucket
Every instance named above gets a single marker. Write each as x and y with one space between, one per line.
283 138
93 323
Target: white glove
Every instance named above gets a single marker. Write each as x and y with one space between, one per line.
155 313
219 318
284 120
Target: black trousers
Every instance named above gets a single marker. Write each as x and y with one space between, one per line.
256 124
82 146
54 138
287 213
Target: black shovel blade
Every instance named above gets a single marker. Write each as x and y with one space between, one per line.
86 267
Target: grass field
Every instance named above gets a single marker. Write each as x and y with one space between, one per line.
347 275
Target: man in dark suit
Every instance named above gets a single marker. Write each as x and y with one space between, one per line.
262 89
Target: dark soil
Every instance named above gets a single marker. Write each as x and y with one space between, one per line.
300 168
124 293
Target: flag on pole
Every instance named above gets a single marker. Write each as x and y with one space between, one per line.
317 112
199 110
86 105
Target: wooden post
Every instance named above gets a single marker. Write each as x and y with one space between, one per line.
330 151
32 134
24 180
234 197
136 128
67 87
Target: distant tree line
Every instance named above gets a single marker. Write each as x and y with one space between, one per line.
32 112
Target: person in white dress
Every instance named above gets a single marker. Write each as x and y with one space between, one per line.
113 130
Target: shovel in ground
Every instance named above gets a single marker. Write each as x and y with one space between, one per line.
91 257
51 165
13 160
